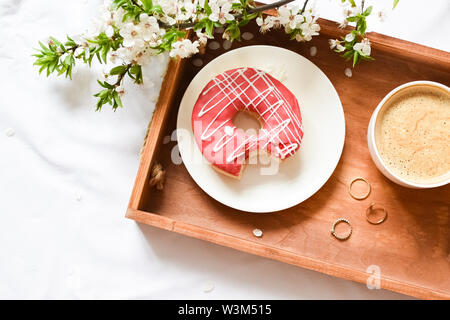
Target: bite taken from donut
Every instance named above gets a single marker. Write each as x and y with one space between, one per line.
251 90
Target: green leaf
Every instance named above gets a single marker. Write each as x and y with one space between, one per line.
117 100
355 57
105 50
236 6
68 59
233 31
55 41
157 10
369 58
207 8
209 28
105 85
368 11
347 55
148 5
44 48
135 73
395 4
361 26
200 25
118 70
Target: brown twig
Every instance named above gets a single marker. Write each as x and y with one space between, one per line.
137 4
122 75
270 6
304 6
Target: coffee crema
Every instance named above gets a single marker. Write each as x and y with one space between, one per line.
412 134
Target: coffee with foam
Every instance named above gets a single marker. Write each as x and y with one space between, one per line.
412 134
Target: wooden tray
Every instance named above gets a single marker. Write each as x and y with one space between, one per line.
411 248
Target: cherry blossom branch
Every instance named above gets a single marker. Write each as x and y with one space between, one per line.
265 7
132 31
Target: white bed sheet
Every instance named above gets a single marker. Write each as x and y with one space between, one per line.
66 175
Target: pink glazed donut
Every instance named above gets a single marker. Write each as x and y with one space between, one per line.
245 89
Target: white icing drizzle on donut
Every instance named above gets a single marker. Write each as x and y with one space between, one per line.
231 91
229 130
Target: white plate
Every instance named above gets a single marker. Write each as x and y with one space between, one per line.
301 175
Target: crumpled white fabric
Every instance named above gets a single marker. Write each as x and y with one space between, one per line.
66 175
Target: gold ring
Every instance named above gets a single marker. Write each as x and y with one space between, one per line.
341 237
364 196
371 208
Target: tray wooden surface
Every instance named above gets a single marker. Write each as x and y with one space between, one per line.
411 248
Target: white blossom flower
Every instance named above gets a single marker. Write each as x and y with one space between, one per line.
226 36
309 28
299 38
349 11
113 56
350 37
185 10
265 24
149 29
363 47
292 20
284 14
83 46
289 17
343 23
143 57
184 48
104 76
106 24
108 20
221 13
124 54
132 36
169 7
120 90
118 16
276 21
336 44
203 37
333 43
259 21
109 31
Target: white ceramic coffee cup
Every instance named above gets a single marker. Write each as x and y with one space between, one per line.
372 143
